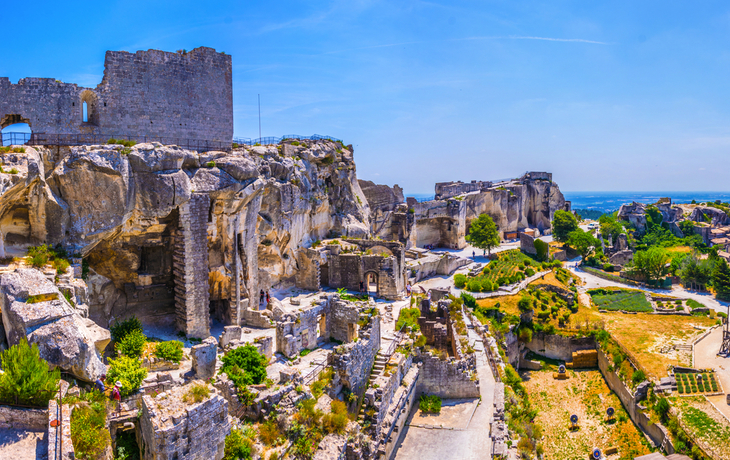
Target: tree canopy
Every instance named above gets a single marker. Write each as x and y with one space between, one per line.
653 263
721 280
610 227
483 233
582 242
564 223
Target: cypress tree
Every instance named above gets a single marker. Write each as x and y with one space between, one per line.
721 280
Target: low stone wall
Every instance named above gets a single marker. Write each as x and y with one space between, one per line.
20 418
558 346
398 411
656 431
60 446
446 379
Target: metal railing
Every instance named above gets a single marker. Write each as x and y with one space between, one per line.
18 138
395 342
315 372
275 140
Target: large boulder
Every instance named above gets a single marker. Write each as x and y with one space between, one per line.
34 309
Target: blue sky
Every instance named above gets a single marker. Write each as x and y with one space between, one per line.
606 95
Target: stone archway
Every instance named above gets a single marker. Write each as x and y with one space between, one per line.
13 119
89 105
371 282
15 129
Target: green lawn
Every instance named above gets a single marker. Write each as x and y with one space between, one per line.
615 300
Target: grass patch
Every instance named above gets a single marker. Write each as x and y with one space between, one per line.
196 393
171 350
430 403
409 318
620 300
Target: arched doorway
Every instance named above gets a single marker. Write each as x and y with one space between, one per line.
371 282
15 129
89 107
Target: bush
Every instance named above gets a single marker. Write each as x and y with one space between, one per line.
409 318
662 407
119 330
529 272
524 304
420 341
638 376
239 444
608 267
196 393
128 371
473 285
171 350
132 344
245 366
89 435
269 433
430 403
525 335
26 378
460 280
122 142
335 421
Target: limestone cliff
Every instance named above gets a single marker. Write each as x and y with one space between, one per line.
133 213
529 201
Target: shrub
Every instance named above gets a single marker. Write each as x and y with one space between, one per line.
638 376
524 304
210 164
196 393
132 344
119 330
460 280
128 371
245 366
171 350
269 432
122 142
239 444
420 341
89 435
473 285
608 267
409 318
662 407
525 335
430 403
529 272
335 421
26 379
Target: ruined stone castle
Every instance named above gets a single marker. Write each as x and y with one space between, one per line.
155 95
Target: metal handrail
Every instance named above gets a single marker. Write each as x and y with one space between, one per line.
315 372
396 341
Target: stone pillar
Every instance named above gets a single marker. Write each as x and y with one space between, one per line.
190 268
204 358
230 333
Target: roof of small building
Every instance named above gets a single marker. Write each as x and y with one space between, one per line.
719 240
718 231
654 456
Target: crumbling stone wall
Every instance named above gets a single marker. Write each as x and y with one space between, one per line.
448 379
178 96
446 190
353 361
173 429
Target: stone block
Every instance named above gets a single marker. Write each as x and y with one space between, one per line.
204 358
229 333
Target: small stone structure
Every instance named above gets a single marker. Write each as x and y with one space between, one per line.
446 190
329 317
174 429
436 325
378 265
184 95
353 361
204 357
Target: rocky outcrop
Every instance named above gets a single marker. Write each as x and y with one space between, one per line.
120 208
706 213
34 309
635 213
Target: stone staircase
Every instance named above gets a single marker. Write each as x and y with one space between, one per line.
377 370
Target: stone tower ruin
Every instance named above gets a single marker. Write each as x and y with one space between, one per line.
173 98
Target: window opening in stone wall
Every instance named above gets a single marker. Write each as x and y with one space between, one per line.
15 130
85 112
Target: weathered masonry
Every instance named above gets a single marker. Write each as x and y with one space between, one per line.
153 94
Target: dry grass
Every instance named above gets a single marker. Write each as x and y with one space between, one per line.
679 249
646 336
708 427
585 394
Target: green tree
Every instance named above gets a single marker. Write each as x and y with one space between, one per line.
483 233
564 223
245 366
610 227
721 280
26 378
694 272
582 242
653 264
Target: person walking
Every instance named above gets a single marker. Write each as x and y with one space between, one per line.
117 395
99 384
261 297
408 289
268 298
474 255
362 287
